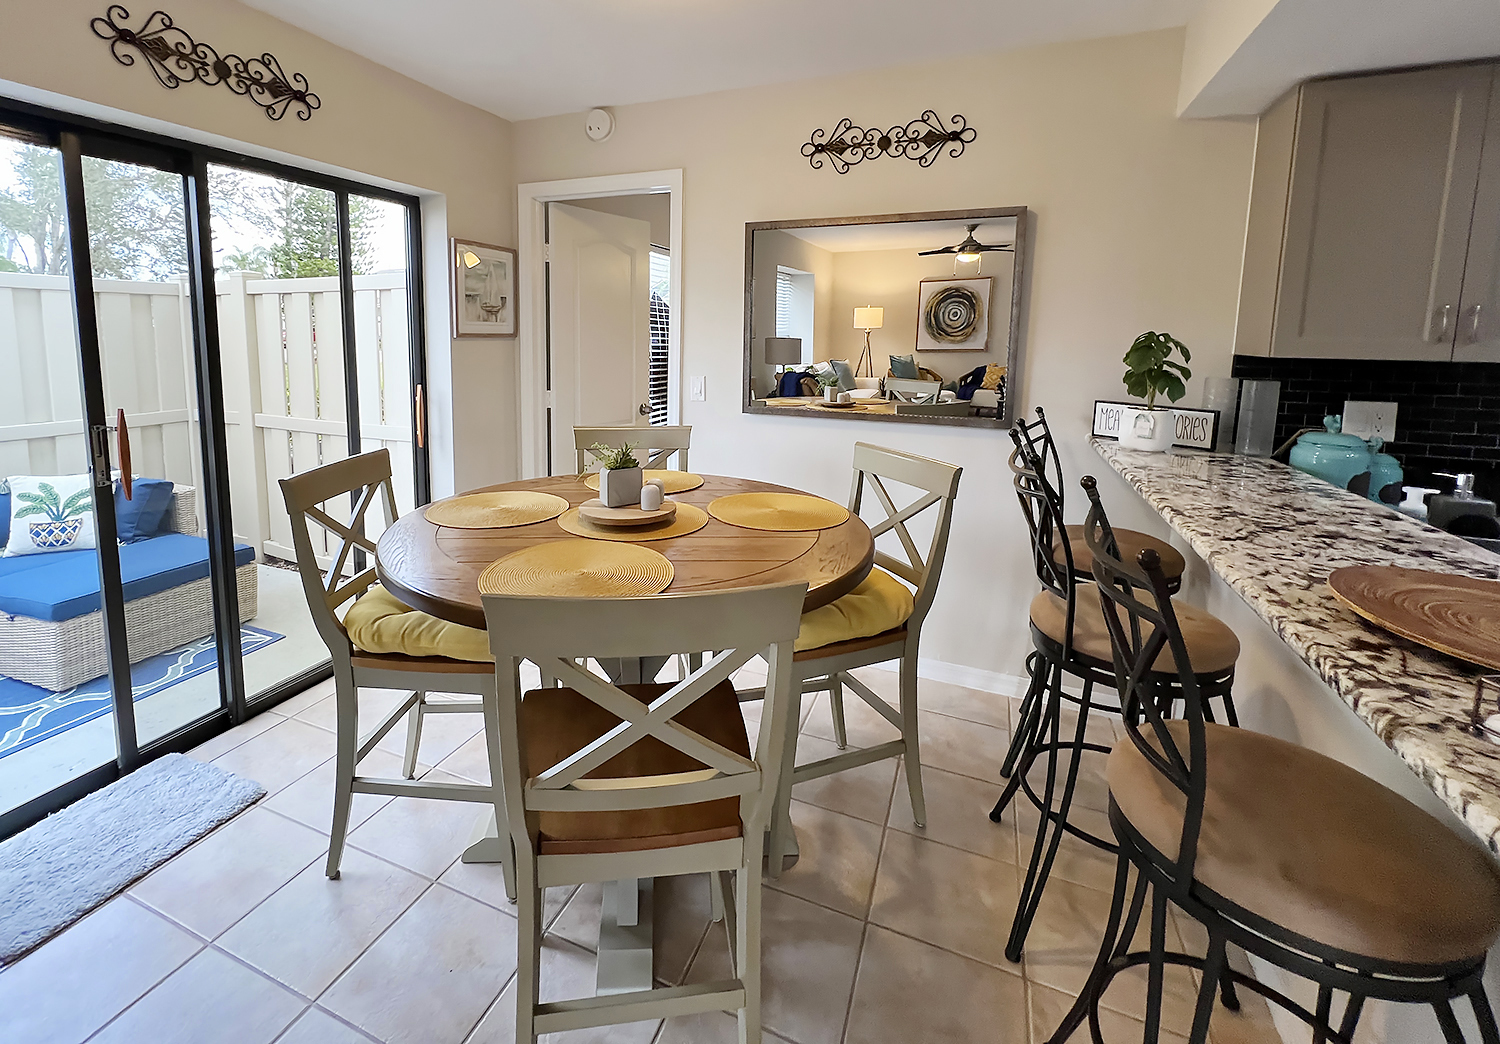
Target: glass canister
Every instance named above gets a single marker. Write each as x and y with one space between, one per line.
1255 432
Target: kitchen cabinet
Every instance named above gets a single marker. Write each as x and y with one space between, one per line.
1363 208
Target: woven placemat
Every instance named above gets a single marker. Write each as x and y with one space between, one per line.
578 569
672 481
501 510
778 512
689 519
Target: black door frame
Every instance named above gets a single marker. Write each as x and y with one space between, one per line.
75 137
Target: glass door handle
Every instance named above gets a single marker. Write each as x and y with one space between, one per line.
122 433
421 418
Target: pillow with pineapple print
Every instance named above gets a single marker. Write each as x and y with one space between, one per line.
50 513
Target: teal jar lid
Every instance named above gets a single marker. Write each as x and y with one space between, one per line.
1333 440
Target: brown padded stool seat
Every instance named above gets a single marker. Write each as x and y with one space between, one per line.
1130 543
1312 845
1211 645
556 723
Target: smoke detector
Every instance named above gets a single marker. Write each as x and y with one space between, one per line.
599 125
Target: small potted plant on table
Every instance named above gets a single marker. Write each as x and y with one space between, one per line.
1150 371
619 474
828 380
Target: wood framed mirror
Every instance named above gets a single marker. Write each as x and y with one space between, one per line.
929 302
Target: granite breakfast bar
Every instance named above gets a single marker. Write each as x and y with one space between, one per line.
1260 540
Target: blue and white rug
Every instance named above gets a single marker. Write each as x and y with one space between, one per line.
30 713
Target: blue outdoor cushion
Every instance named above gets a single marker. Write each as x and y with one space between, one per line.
143 515
5 517
65 584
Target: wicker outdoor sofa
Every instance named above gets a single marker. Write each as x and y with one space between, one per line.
169 602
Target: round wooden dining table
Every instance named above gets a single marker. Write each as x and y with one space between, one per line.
436 568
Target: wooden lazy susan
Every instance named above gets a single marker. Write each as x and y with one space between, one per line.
594 511
1457 615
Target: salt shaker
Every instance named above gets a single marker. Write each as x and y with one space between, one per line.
651 496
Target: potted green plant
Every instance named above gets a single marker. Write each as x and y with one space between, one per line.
619 474
828 380
63 520
1151 371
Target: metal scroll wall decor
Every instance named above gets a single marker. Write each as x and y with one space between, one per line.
176 58
923 140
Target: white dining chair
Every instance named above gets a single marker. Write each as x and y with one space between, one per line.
364 480
825 667
659 442
605 783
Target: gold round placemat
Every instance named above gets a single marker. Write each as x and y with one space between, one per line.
578 569
672 481
689 519
501 510
778 512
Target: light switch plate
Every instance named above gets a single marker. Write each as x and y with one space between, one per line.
695 389
1370 420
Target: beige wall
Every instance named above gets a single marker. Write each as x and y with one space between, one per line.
775 249
655 208
1139 223
374 124
890 279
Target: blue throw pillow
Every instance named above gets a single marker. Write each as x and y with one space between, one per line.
4 516
905 367
845 372
143 515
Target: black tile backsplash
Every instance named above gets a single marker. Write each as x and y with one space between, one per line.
1447 416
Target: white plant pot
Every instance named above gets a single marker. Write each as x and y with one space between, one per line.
620 487
831 393
1150 430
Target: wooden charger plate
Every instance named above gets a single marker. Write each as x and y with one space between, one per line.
1457 615
595 511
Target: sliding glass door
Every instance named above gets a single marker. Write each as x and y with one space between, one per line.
182 329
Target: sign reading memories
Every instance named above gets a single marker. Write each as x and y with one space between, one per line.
1196 429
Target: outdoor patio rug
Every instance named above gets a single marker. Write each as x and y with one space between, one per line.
70 862
30 714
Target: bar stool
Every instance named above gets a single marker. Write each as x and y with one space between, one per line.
1300 859
1070 639
1131 542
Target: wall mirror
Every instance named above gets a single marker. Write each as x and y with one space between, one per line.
893 317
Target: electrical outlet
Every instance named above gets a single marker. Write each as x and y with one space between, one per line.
1370 420
695 389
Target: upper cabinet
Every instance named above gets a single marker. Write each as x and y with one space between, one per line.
1374 229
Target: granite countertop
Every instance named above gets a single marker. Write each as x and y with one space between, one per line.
1273 535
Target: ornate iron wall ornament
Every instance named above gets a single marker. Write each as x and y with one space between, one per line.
923 139
176 58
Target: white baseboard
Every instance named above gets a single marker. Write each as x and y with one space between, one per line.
968 677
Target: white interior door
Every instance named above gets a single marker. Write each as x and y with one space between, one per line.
599 345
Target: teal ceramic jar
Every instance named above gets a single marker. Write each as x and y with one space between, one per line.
1331 456
1385 471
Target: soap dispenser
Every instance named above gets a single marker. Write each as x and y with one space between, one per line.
1443 508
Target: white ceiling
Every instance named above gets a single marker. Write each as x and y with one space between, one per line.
1265 47
904 235
527 58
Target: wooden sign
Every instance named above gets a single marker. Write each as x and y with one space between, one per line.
1196 429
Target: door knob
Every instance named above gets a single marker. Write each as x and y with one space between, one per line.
645 409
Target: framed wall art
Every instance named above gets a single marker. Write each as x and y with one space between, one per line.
484 290
953 315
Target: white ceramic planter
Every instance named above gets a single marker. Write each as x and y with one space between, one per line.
1150 430
620 487
831 393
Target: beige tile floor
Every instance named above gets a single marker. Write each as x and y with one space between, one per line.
883 931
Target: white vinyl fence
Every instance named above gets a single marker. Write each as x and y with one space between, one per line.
281 344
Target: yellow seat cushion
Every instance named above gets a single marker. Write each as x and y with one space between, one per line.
379 623
879 603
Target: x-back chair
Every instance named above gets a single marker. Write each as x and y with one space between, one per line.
659 442
826 668
1301 860
606 783
309 496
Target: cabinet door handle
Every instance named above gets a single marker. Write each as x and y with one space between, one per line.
1474 325
1442 333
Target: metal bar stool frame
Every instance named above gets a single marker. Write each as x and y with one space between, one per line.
1172 880
1040 734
